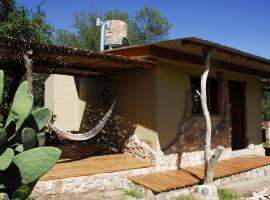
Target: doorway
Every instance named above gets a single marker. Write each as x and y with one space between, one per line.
237 93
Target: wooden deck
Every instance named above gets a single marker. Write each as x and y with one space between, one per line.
168 180
94 165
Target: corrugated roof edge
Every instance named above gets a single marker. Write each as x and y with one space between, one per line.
20 42
202 42
226 48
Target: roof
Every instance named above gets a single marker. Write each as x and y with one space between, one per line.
190 50
48 58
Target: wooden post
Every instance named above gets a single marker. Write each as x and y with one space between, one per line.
209 160
28 62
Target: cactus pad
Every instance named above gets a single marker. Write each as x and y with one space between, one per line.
6 159
21 106
2 80
29 139
36 162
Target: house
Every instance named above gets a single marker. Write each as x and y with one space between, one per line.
162 101
156 87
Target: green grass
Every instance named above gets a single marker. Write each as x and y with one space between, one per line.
224 194
183 197
135 192
266 145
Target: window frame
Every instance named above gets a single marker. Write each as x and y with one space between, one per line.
210 82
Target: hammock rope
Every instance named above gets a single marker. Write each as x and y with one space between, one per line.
83 136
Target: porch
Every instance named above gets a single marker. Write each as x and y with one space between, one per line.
190 176
94 165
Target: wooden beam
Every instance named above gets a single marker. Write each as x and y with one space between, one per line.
142 50
151 51
198 60
225 53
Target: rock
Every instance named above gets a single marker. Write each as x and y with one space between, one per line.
58 186
48 186
116 182
149 195
205 192
138 149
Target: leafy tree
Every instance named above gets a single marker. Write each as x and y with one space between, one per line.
6 7
148 25
20 22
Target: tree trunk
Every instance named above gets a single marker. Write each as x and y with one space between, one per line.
209 160
28 62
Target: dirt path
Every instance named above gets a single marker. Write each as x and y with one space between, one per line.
245 188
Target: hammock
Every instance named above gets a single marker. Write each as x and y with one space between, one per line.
83 136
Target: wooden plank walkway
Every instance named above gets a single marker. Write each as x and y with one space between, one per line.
94 165
173 179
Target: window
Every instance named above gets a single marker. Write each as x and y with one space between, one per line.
212 89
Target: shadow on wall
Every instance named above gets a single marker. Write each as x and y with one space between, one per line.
192 130
112 139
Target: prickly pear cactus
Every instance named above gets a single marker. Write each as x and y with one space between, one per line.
22 158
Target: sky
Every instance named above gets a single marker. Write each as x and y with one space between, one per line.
241 24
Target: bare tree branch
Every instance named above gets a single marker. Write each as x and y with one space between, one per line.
28 62
208 159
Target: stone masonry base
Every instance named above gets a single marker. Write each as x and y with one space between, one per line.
119 180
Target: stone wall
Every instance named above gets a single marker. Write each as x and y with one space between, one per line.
109 182
197 157
137 149
192 133
100 182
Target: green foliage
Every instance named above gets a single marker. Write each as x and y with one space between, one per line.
22 160
266 145
266 104
183 197
135 192
148 25
6 7
224 194
21 22
22 192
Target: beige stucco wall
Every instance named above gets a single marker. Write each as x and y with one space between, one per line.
135 93
172 82
90 97
61 96
152 99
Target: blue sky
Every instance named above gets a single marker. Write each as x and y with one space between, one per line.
242 24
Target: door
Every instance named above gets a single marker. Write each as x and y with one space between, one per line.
237 92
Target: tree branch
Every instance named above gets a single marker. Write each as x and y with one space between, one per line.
208 159
213 160
28 62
